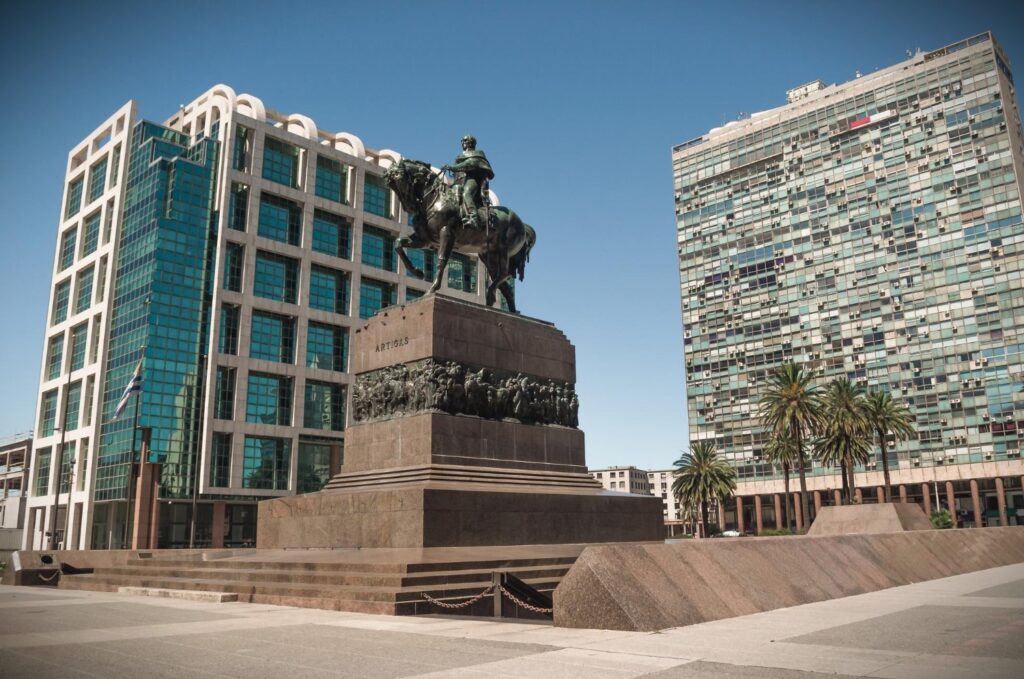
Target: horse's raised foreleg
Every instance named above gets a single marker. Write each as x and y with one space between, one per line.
444 251
414 244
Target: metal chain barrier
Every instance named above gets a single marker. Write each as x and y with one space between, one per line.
523 604
48 579
469 602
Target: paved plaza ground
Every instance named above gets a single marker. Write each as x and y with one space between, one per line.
964 626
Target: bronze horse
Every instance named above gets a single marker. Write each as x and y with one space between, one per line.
503 245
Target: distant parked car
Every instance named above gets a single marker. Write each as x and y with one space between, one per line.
731 534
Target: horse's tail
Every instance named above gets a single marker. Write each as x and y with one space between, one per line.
517 266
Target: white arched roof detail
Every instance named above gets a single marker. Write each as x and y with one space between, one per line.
251 106
225 93
493 197
302 126
386 158
350 143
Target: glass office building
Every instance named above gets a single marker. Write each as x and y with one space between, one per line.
870 230
232 251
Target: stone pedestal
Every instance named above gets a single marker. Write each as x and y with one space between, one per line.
462 433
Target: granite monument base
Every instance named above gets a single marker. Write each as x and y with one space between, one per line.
886 517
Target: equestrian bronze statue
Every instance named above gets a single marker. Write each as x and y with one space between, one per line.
496 235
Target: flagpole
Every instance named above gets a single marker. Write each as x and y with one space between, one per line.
131 474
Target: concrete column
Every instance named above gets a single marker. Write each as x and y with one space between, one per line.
1001 500
147 506
927 498
880 494
335 462
979 520
838 497
757 514
817 502
778 511
217 539
903 494
739 515
951 499
858 494
798 515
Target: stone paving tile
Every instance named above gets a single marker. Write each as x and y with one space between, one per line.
1013 590
714 670
947 630
129 613
568 663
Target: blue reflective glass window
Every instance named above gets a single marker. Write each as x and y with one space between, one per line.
280 219
376 196
42 472
331 179
242 150
314 465
425 260
461 273
324 406
79 337
54 356
332 234
83 295
328 289
378 248
74 203
374 296
230 319
97 179
234 256
272 337
412 293
265 463
90 234
280 162
220 468
224 395
238 206
61 297
67 249
276 277
48 413
74 405
269 399
326 347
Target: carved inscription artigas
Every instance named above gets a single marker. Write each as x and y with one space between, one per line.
392 344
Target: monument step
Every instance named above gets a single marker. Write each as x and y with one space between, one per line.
396 567
186 594
328 578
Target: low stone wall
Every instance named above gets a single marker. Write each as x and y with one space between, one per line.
652 587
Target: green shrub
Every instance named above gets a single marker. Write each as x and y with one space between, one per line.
941 518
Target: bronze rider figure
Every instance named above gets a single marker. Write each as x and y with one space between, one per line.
473 171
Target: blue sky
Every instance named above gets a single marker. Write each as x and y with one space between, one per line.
577 105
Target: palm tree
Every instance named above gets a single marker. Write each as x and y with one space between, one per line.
845 433
887 416
702 477
781 450
790 407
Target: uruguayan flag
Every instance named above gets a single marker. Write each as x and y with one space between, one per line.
134 386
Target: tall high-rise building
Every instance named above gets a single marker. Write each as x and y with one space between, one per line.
231 251
870 230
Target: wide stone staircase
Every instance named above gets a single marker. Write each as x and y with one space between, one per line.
382 587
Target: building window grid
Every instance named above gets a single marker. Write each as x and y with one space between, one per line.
314 465
461 273
220 466
324 406
224 401
79 339
378 248
242 151
374 295
269 399
74 203
280 162
97 179
376 196
328 289
276 277
234 258
331 179
332 235
280 219
326 347
42 465
55 356
230 322
74 405
238 207
847 191
48 413
91 233
83 293
67 249
265 463
272 337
